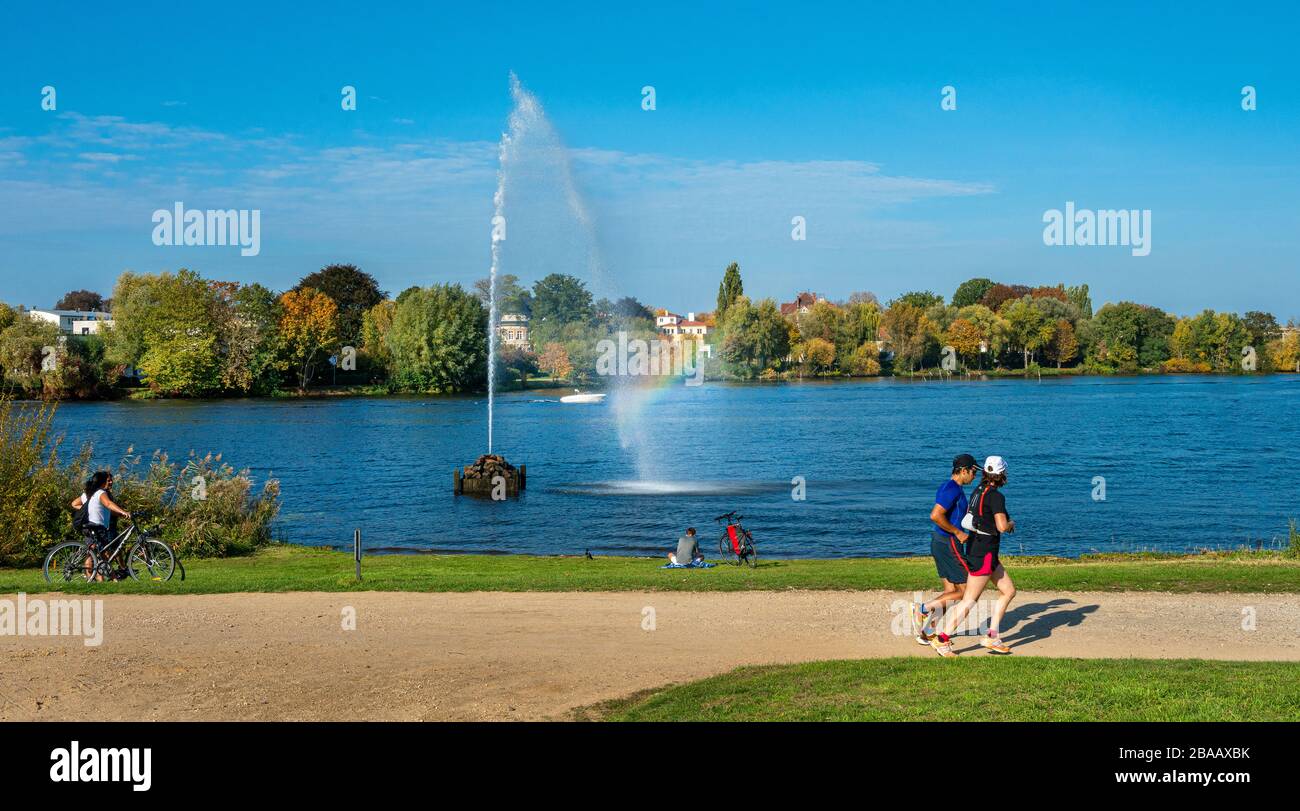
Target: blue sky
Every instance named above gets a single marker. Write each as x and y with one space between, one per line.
764 112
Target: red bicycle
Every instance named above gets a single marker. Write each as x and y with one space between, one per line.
736 544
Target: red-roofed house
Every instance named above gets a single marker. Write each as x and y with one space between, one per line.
802 303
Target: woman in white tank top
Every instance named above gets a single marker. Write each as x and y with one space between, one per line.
99 501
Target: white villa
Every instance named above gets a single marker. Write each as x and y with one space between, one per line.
665 319
512 329
74 322
674 325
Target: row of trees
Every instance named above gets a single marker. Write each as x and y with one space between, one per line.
185 335
989 325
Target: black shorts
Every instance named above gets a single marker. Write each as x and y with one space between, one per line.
947 551
97 536
982 554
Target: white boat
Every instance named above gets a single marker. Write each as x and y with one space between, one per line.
583 398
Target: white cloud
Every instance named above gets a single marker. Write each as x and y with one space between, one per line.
106 157
428 204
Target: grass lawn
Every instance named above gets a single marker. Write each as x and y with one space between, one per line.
1009 689
293 568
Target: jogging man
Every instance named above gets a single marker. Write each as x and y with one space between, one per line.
988 511
946 539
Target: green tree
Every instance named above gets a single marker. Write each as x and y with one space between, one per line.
439 340
165 325
819 355
558 300
375 326
940 316
1129 336
971 292
823 320
729 289
1214 339
25 346
511 296
519 361
352 290
247 322
1064 345
626 311
78 372
1263 330
993 329
857 325
1078 296
864 361
80 300
1284 353
1031 329
919 298
134 301
908 331
756 336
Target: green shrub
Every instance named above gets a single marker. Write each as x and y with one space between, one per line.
32 482
207 507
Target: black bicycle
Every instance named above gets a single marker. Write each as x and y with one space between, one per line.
88 561
736 544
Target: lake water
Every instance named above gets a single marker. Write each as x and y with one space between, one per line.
1188 462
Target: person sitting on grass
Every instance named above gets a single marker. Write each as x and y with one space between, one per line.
688 550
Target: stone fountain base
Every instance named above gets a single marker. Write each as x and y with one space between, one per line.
487 474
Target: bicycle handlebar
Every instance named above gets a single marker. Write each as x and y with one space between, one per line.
731 514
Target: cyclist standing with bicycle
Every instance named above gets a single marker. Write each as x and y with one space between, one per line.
100 508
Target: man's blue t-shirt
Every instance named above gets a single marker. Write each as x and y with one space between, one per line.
952 498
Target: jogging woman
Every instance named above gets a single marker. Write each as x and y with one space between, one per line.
988 512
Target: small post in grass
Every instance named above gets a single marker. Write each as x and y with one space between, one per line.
356 550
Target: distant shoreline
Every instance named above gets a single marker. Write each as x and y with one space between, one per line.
931 375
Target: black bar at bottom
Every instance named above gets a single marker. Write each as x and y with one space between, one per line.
300 760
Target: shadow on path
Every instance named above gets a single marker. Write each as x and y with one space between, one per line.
1026 624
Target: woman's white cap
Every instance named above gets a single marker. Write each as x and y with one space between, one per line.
995 465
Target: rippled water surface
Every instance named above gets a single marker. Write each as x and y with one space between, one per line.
1187 462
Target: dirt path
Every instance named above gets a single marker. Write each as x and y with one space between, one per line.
538 655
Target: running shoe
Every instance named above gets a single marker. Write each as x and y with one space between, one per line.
940 647
923 638
994 645
919 621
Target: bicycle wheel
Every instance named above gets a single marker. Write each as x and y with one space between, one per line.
66 563
151 560
724 548
751 556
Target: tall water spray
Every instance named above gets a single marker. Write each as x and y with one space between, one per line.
549 233
498 236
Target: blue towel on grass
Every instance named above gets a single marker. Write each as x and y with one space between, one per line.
695 564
